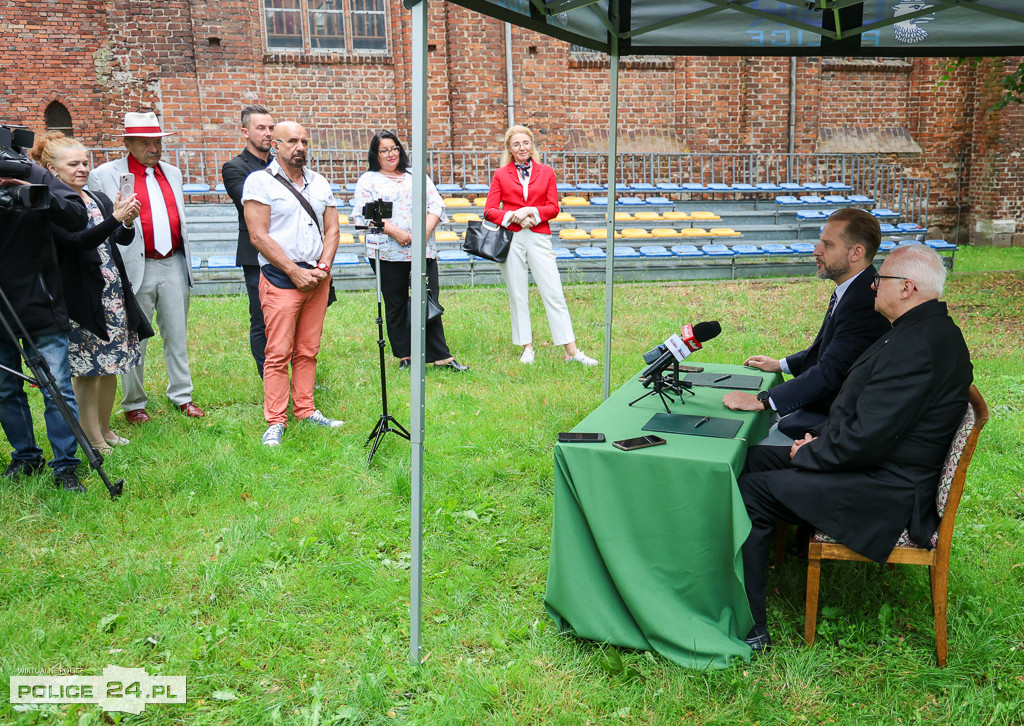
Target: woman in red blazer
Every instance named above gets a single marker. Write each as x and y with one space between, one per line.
523 197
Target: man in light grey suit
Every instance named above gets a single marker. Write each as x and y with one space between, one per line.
158 261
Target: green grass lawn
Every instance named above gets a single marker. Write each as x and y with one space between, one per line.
277 581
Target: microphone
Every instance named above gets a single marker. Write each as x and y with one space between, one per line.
680 347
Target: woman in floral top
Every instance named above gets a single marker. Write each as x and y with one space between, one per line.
389 180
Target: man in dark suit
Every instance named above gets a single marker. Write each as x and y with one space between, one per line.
873 468
848 243
258 132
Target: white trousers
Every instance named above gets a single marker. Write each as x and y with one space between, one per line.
531 252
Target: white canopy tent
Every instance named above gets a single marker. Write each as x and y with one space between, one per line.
868 28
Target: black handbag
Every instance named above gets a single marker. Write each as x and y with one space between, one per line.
434 309
489 242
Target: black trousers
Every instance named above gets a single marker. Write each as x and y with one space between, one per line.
394 288
764 511
257 328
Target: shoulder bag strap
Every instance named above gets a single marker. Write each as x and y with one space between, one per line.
302 200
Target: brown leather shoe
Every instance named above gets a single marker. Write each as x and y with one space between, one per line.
138 416
191 410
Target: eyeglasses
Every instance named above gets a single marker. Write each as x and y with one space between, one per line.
390 151
878 277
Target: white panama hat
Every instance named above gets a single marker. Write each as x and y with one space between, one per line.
143 124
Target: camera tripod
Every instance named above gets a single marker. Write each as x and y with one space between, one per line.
386 423
665 386
44 380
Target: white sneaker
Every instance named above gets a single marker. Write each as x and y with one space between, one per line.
318 419
272 436
581 358
527 357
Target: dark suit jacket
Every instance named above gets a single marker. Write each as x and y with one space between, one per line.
80 273
874 469
803 401
234 173
506 195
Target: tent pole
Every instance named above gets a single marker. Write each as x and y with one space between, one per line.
418 321
609 262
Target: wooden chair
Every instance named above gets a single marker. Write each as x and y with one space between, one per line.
951 488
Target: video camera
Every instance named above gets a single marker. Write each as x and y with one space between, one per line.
375 213
15 164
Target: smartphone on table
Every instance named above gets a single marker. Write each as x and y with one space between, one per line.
580 438
126 185
640 442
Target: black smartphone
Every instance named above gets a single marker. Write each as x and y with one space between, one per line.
640 442
580 438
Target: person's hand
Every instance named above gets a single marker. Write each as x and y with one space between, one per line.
528 222
800 442
402 237
127 209
740 401
764 363
7 182
305 280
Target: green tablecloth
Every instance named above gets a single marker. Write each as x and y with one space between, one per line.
645 545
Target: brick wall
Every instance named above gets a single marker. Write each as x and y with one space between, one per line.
197 62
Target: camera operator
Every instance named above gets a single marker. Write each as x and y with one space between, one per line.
32 283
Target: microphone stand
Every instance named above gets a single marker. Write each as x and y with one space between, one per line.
665 387
386 423
44 380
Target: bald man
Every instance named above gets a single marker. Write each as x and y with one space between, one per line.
293 224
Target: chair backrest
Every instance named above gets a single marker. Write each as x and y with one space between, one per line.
954 470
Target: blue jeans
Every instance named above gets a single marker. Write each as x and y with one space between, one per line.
15 416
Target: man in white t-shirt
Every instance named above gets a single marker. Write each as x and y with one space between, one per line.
293 223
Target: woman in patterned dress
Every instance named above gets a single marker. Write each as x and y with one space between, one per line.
389 180
106 321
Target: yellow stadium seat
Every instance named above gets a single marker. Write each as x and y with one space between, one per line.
575 202
342 219
704 215
676 216
346 239
602 233
693 232
647 216
635 233
724 232
622 217
463 217
445 235
480 202
564 217
665 232
573 234
457 202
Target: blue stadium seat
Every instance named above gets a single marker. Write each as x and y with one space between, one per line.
808 214
630 201
814 186
657 200
885 214
449 188
743 187
599 201
220 262
788 201
887 245
836 199
654 251
626 251
792 186
889 228
717 251
590 253
197 262
907 242
563 187
747 250
563 253
642 187
910 227
860 199
693 187
802 248
768 187
591 187
336 188
346 258
719 187
811 199
686 251
774 248
484 188
839 186
350 187
220 189
940 244
453 256
195 188
670 187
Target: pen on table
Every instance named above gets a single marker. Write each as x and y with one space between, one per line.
722 378
702 422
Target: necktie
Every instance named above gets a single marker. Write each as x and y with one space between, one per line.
158 214
831 305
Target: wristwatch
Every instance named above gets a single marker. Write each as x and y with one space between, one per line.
323 266
763 397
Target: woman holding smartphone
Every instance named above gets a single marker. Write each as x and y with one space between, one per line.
106 321
523 197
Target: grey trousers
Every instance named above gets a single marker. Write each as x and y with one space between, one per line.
164 290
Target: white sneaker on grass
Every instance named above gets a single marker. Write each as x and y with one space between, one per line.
527 356
272 436
581 358
318 419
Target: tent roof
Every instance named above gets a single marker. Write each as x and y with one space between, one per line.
774 27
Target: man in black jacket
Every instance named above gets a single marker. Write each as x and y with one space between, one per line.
873 468
258 132
31 281
849 241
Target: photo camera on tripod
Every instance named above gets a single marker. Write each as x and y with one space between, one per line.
15 164
375 213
